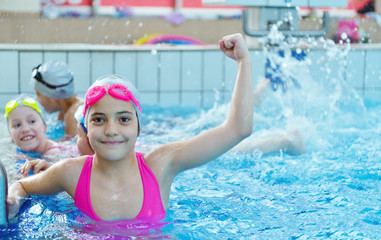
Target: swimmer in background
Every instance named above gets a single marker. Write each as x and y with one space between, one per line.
27 129
290 142
126 184
54 86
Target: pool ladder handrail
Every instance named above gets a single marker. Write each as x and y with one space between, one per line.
263 33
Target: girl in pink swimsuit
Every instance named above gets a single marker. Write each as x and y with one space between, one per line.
118 183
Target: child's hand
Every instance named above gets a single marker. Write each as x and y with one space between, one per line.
37 166
234 46
13 207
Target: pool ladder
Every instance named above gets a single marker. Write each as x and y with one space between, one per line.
282 12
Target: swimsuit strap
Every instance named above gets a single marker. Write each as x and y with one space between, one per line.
152 203
68 151
82 193
62 148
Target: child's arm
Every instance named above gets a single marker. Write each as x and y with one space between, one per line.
60 176
70 125
71 122
237 126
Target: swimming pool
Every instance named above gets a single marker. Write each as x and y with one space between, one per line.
333 191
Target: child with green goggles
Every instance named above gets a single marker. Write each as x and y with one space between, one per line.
28 131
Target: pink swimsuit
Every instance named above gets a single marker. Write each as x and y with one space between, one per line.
152 204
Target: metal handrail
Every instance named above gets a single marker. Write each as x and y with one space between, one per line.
263 33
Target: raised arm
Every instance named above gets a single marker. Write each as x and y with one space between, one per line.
238 124
240 115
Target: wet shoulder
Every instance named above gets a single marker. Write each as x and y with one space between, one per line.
158 160
73 165
71 169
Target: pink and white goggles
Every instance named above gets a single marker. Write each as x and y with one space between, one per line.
116 90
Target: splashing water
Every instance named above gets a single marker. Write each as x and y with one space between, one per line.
330 192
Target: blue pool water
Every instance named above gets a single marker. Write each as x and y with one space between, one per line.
331 192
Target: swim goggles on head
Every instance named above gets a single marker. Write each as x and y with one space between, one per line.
116 90
30 102
37 75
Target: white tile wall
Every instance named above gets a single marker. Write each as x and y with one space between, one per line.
191 99
9 72
149 98
372 94
170 68
27 61
80 65
147 71
102 63
179 77
373 69
54 55
167 99
213 63
230 74
259 65
192 70
125 65
355 71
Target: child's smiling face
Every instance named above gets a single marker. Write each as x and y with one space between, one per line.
112 128
27 129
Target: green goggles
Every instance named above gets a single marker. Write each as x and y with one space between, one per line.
30 102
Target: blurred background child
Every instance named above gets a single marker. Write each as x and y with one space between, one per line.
54 86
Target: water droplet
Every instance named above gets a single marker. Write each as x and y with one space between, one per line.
90 28
140 24
114 197
154 52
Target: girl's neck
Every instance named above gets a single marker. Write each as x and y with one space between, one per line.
115 168
44 146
